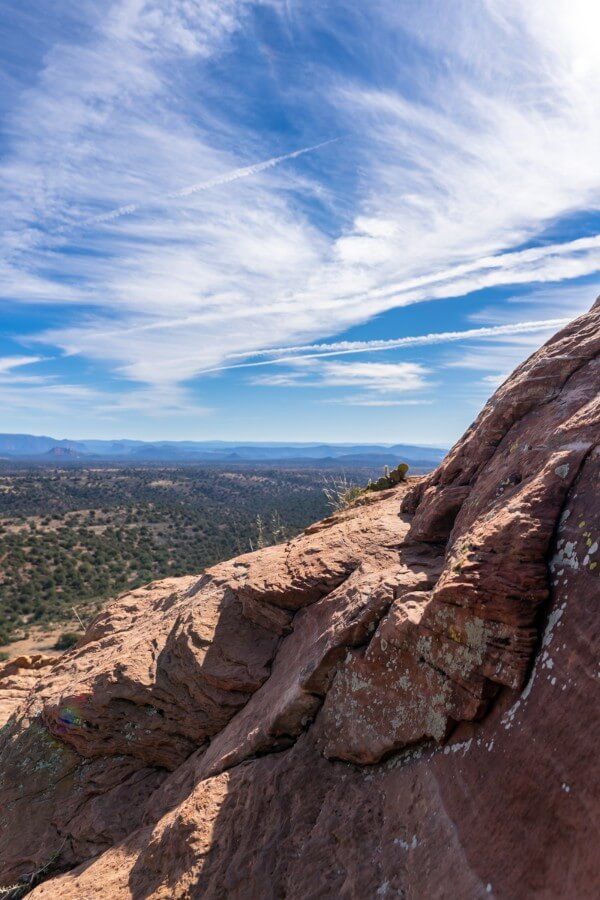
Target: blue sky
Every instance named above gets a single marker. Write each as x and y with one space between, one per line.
172 267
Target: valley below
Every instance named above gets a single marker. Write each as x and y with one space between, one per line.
71 537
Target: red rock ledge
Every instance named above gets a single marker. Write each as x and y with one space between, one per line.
401 702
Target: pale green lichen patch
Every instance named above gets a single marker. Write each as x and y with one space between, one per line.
565 557
592 549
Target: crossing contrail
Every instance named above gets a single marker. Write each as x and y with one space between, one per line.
225 178
341 348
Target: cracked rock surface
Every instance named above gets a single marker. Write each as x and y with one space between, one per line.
403 701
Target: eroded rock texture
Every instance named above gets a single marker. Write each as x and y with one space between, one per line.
401 702
17 678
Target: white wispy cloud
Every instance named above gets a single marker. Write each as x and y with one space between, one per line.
377 377
167 26
446 173
45 397
380 377
550 301
8 363
51 398
377 402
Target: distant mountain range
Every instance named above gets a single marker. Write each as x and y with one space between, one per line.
40 449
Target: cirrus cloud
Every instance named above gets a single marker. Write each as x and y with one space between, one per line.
456 158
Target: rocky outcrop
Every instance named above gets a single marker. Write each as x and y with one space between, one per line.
403 701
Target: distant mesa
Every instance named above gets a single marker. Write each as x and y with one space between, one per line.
41 448
61 452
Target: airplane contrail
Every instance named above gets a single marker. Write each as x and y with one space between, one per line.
225 178
245 171
341 348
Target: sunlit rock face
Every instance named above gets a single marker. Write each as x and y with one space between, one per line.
403 701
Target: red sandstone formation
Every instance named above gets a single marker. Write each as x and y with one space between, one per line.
401 702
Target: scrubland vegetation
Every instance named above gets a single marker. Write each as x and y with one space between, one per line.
73 537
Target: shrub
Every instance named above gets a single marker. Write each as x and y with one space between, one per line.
66 640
